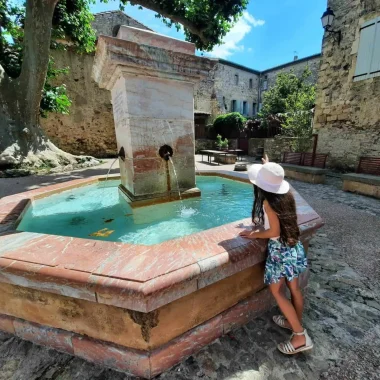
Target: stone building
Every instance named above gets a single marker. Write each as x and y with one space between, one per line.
89 128
347 115
231 87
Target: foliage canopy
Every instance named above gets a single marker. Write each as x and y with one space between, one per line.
230 122
292 98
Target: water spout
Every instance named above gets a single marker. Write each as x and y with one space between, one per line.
165 152
121 154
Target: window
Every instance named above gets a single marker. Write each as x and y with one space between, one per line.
236 79
368 61
245 108
224 103
233 106
264 83
260 106
254 109
251 83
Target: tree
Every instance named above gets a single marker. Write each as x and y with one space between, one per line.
292 98
26 36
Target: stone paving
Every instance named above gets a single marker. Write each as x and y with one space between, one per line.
342 314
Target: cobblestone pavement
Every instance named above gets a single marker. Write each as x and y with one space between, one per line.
342 314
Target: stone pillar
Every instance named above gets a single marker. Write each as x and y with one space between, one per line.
152 94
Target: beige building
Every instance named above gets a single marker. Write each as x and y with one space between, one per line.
347 116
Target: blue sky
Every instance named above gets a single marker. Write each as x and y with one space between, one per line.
267 35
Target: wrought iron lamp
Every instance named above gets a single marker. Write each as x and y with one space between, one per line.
327 21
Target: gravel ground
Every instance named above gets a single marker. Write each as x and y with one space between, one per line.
342 311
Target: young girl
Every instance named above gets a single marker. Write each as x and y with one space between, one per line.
275 208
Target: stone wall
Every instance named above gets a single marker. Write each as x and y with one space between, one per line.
106 23
347 116
276 146
89 128
208 144
204 144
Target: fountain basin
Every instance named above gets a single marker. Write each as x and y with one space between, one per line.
136 308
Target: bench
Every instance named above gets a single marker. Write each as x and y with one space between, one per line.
366 180
305 167
305 159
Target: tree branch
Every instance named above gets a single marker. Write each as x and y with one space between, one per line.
175 18
37 34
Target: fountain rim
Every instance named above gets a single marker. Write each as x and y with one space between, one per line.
98 270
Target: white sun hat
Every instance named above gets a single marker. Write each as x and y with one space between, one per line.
270 178
253 171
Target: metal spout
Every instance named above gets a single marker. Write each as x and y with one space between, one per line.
165 152
121 153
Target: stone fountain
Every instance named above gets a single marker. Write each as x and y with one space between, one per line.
136 308
151 78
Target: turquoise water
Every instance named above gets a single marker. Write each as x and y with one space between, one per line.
97 212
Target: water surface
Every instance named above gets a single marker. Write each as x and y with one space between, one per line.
97 212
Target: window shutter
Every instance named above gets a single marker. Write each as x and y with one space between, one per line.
366 45
248 109
375 63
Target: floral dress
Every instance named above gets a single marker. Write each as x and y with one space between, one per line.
283 261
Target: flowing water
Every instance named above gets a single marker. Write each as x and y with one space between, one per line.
109 170
97 212
176 178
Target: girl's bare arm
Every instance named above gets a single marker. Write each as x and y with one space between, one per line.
272 232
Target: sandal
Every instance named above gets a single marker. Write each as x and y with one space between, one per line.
279 320
288 349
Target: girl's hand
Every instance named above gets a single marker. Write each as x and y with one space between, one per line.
245 234
265 159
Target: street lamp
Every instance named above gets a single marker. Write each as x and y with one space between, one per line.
327 21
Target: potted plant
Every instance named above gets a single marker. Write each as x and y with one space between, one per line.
221 144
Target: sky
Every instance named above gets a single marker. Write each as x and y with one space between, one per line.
268 34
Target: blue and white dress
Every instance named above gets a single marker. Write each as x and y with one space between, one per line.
283 261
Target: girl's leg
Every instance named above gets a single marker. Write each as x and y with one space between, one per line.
297 297
289 312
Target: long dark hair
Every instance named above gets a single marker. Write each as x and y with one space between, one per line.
284 206
257 209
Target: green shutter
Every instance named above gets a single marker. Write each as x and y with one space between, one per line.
375 63
366 45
